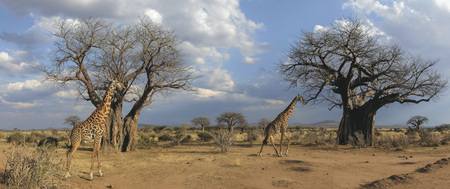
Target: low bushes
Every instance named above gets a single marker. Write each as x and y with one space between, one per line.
205 136
28 167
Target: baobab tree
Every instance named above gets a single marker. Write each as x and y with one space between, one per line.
202 121
417 121
349 67
232 119
72 120
143 56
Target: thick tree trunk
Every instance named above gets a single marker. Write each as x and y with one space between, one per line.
359 120
130 132
113 136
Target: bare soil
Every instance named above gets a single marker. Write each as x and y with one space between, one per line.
200 166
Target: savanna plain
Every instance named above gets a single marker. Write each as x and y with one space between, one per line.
183 157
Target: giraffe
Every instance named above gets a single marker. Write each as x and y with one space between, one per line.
280 123
92 128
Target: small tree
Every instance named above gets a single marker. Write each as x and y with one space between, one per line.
232 119
202 121
72 120
417 121
263 122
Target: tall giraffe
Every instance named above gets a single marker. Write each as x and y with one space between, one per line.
92 128
280 123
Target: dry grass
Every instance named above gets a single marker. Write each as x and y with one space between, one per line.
31 167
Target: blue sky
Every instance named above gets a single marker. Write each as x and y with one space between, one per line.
234 44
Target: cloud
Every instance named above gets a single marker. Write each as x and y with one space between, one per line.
27 40
418 26
12 67
109 8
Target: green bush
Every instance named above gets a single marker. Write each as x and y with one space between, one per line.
144 142
165 137
49 141
16 138
186 139
205 136
442 128
35 137
146 129
159 128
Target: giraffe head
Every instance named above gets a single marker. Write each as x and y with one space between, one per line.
300 98
116 84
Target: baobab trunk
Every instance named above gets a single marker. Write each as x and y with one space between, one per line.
354 121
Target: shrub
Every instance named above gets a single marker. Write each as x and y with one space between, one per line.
205 136
16 138
394 141
49 141
445 138
411 131
443 127
165 137
296 136
358 140
146 129
324 137
31 168
427 138
224 140
310 137
186 139
158 129
397 130
253 135
180 134
35 137
144 142
54 132
377 132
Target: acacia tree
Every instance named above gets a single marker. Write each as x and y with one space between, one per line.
72 120
143 56
417 121
263 122
232 119
202 121
347 66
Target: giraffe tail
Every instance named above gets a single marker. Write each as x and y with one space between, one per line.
264 141
69 144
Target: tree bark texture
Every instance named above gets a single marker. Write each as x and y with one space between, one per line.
356 121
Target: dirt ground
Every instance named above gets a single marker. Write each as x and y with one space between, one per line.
200 166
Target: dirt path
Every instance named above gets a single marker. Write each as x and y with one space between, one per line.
198 166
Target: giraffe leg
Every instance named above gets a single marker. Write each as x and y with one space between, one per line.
274 147
262 146
281 145
95 152
288 141
70 152
98 159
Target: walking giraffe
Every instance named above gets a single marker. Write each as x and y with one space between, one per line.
92 128
280 123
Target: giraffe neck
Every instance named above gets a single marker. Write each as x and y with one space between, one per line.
102 112
284 115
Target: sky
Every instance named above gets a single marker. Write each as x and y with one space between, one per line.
235 45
